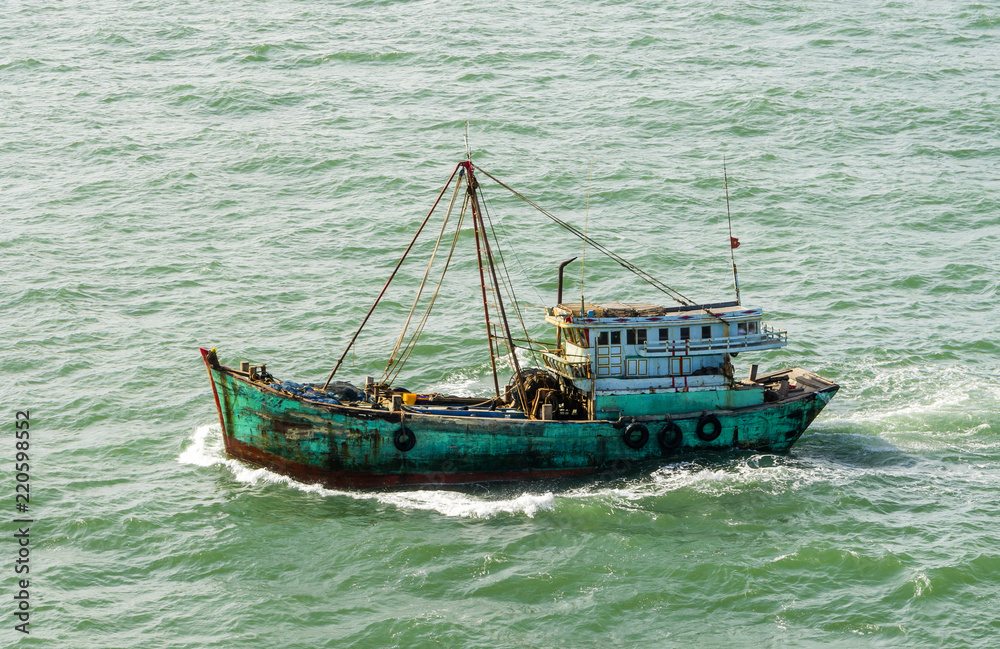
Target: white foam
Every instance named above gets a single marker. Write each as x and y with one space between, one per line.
757 473
206 449
915 392
945 399
458 384
760 473
921 585
451 503
753 473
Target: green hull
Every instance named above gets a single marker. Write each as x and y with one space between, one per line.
341 446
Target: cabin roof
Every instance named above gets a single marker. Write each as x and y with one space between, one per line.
645 310
612 310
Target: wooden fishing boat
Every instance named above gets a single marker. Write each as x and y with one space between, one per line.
624 383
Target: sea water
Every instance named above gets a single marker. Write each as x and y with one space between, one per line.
244 176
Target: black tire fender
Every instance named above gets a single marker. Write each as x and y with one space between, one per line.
712 422
670 436
630 439
404 439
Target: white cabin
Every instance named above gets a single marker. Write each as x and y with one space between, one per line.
617 352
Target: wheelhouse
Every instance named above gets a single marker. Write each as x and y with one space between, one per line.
616 352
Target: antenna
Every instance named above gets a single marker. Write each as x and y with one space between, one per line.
734 243
468 151
586 221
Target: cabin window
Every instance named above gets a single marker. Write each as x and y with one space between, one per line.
741 330
572 336
616 337
602 338
664 334
752 327
685 333
706 331
635 337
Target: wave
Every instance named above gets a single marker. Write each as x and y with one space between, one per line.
922 403
206 449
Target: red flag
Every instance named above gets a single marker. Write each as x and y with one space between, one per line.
734 242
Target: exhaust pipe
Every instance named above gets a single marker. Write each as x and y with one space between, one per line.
561 267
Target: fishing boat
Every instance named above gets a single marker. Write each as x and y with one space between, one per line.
625 383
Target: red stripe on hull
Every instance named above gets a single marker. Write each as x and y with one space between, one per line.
358 480
211 380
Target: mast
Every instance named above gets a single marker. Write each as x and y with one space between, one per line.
734 243
485 254
482 278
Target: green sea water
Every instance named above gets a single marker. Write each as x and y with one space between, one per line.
244 175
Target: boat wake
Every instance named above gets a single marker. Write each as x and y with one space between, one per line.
842 450
770 474
206 449
760 474
457 504
905 410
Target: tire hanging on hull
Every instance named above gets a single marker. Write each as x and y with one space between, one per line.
670 437
404 439
635 436
709 428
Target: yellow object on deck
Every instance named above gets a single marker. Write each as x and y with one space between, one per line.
409 399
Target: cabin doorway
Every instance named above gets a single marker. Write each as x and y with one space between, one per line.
609 353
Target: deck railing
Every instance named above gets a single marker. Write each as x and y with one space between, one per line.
572 367
768 338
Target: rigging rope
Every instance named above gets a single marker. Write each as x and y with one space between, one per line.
423 282
412 342
509 286
395 364
513 250
675 295
392 275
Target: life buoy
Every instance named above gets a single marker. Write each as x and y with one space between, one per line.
630 436
404 439
712 423
670 436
